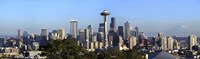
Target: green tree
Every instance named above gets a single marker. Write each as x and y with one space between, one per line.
63 49
68 49
132 54
114 54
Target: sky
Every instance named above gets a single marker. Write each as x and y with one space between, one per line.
173 17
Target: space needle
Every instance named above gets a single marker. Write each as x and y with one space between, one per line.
105 14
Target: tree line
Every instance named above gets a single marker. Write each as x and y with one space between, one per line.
68 49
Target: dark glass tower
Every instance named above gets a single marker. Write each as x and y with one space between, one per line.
120 31
101 27
113 24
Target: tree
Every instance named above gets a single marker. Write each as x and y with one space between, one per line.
132 54
63 49
68 49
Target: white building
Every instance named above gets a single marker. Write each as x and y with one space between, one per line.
127 30
132 42
170 42
74 28
192 41
61 34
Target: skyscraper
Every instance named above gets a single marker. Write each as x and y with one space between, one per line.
115 39
86 42
44 32
127 30
74 28
132 42
160 35
170 42
44 38
61 34
120 31
164 43
86 35
90 32
19 34
192 41
81 35
100 36
113 24
163 40
25 37
101 27
136 32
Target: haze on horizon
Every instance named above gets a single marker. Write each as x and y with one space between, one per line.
173 17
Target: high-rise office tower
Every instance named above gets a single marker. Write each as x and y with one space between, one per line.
86 35
105 14
44 32
132 32
19 34
136 32
163 40
113 24
90 29
44 38
115 39
112 31
25 38
192 41
170 42
90 32
164 43
74 28
120 31
132 42
160 35
61 34
101 27
127 30
100 36
84 38
81 35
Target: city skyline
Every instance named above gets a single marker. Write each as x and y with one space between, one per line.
32 16
88 29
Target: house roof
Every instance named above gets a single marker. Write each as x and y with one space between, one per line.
164 55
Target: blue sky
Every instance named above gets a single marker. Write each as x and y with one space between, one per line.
151 16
